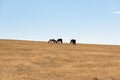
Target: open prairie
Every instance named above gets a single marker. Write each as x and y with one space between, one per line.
27 60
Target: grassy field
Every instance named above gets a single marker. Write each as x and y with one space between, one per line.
27 60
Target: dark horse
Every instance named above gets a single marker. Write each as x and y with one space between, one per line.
73 41
52 41
59 40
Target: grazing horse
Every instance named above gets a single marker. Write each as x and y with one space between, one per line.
59 40
73 41
52 41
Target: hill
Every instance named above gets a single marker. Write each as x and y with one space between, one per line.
30 60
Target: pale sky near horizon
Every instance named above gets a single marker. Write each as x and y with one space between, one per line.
88 21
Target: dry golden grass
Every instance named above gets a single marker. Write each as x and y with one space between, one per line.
27 60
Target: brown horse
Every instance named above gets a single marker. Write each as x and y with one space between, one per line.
60 40
73 41
52 41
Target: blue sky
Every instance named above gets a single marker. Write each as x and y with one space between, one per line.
88 21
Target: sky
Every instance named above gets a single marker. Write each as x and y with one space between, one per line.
87 21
